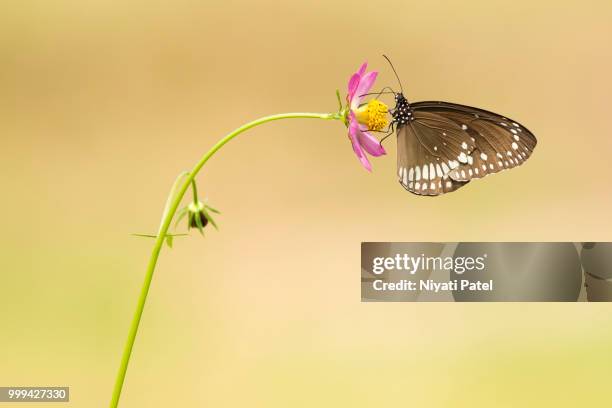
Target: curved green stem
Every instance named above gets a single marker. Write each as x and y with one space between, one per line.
171 196
176 195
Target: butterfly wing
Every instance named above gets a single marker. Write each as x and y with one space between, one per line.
430 148
499 143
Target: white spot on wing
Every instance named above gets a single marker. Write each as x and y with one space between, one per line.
439 171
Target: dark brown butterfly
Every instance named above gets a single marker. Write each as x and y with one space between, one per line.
442 146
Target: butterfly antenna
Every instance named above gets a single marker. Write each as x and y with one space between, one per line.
383 91
395 72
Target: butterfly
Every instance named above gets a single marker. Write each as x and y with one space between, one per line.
442 146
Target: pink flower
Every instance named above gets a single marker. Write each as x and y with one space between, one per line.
364 117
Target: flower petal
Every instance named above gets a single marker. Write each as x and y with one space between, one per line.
352 86
364 86
354 81
363 68
370 144
353 135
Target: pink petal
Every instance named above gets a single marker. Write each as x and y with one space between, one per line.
370 144
364 86
353 131
354 81
363 68
352 86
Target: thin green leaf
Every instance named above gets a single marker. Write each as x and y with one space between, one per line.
212 209
173 191
198 221
143 235
155 236
210 219
180 215
169 240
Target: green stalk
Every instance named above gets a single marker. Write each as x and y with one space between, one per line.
194 190
174 200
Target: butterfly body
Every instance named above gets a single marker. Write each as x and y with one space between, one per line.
402 113
442 146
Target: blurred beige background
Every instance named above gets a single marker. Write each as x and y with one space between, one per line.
102 103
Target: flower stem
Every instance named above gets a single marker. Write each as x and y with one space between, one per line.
174 199
194 190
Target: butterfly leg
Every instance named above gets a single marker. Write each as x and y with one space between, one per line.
390 130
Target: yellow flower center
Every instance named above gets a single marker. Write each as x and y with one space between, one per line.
373 115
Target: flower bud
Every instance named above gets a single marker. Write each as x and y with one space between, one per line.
196 216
